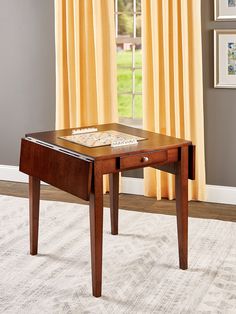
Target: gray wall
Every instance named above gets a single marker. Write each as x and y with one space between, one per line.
219 109
27 72
27 85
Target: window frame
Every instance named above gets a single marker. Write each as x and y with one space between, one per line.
134 41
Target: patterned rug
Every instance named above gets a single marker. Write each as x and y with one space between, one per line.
140 269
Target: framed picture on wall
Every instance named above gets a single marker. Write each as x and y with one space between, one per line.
225 10
225 58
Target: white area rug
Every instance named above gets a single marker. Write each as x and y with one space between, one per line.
140 268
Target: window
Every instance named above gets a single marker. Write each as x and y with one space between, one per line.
129 61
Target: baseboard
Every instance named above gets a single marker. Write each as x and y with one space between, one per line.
12 173
221 194
132 185
215 193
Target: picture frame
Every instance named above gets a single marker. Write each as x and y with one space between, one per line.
225 58
225 10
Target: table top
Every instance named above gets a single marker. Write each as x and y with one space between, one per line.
153 142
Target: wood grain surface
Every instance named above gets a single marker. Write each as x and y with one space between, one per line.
153 141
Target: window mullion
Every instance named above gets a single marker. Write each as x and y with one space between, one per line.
133 79
129 40
116 17
134 6
128 67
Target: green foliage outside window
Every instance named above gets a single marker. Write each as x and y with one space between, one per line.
124 59
124 81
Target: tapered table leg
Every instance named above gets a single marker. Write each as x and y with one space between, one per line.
181 186
34 195
96 230
114 201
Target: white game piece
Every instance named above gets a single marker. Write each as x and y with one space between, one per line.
85 130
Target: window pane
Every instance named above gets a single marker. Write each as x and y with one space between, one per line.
124 57
138 5
124 80
138 80
125 5
125 25
138 25
138 110
125 106
138 57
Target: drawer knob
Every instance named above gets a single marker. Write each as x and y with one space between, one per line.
144 159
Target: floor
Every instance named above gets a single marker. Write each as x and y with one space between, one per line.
128 202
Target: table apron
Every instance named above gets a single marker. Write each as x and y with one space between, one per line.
135 161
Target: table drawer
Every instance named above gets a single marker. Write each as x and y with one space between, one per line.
142 160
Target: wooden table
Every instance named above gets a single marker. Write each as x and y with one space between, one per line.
79 170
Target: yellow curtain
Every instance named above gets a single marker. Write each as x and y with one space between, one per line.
85 63
172 84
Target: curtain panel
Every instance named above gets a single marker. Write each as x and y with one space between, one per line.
172 84
85 63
